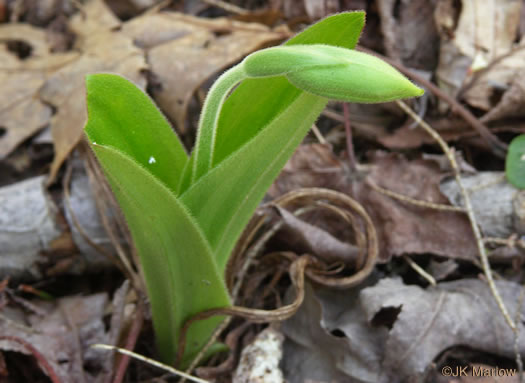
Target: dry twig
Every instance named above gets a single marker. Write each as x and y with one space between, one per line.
420 270
416 202
498 147
162 366
468 207
227 7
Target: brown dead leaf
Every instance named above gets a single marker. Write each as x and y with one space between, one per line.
449 128
63 335
392 332
407 229
34 85
452 130
94 17
313 165
293 9
406 138
184 51
429 321
513 100
402 228
103 50
409 32
330 340
263 16
21 113
500 87
492 199
303 237
18 33
318 9
442 270
483 32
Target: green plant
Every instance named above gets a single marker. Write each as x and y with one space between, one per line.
186 213
515 162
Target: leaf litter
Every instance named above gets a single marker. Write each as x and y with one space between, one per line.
389 331
402 227
385 329
104 44
207 46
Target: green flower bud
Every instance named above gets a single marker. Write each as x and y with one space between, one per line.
332 72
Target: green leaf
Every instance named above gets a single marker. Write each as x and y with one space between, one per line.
123 117
515 162
186 215
255 102
252 108
181 276
225 198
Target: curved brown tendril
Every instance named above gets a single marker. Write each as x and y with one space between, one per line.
297 271
339 203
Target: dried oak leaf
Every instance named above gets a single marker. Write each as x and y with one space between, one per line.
404 228
492 199
432 320
408 137
409 32
330 340
25 62
103 49
392 332
63 334
499 89
312 165
184 51
512 102
474 42
303 237
319 9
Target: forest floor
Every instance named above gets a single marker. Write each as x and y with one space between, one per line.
426 296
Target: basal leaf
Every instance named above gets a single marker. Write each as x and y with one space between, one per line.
125 118
181 275
250 110
224 199
186 215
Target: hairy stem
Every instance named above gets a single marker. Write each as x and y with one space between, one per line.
205 142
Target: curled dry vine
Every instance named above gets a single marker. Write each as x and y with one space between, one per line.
338 203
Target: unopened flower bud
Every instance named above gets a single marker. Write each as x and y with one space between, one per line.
332 72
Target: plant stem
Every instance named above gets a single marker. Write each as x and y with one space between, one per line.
208 122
